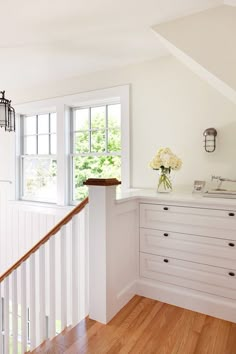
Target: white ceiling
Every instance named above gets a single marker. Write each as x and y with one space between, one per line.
230 2
50 40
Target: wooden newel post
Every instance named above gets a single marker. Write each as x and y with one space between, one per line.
102 195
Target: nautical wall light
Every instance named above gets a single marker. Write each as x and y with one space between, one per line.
210 139
7 114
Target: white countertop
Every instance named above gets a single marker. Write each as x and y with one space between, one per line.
183 196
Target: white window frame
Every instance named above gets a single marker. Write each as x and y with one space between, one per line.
73 154
63 107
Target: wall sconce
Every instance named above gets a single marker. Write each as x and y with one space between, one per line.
210 139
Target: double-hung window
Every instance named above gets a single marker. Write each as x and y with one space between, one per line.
38 158
86 135
95 145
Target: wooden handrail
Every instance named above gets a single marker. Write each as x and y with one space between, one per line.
51 233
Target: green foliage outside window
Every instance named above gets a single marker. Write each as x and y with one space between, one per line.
105 139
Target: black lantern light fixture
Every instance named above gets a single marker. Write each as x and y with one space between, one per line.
210 139
7 114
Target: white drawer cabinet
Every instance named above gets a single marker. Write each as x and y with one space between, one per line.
189 220
213 280
189 247
207 250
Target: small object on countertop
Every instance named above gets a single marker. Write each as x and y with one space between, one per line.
198 186
227 194
165 161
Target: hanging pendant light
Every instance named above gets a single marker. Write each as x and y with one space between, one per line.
7 114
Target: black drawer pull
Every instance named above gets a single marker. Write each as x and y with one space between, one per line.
231 244
165 208
166 234
232 274
231 214
166 260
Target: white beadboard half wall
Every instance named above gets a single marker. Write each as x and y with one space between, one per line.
22 225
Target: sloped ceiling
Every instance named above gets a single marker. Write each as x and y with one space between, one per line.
206 42
53 40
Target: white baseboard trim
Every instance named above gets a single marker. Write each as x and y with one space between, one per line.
122 298
208 304
129 290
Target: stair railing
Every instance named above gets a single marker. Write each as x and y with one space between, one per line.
31 288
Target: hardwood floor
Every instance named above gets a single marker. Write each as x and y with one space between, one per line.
145 326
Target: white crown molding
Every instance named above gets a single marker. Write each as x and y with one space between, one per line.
230 2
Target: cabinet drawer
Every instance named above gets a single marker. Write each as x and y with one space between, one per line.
212 280
207 250
195 221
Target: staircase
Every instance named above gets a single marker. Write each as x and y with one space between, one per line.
40 292
71 340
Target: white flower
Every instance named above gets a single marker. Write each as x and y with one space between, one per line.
165 157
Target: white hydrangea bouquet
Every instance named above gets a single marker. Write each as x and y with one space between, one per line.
165 161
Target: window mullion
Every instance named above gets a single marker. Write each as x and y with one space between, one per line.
96 154
37 134
72 132
49 135
22 177
90 131
106 129
22 135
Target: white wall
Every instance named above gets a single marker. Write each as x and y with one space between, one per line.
205 41
170 106
208 37
7 151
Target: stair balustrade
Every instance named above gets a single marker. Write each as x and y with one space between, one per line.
35 291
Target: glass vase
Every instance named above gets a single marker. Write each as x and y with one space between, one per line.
164 184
